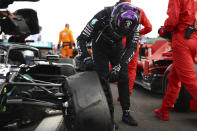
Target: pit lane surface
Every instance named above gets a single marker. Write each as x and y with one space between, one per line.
143 104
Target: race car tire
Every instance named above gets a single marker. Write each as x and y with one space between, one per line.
165 80
31 115
67 69
182 102
88 109
66 60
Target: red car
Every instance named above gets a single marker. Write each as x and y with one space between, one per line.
153 69
153 61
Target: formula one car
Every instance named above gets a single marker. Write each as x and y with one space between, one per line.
12 55
45 48
27 90
36 87
154 59
153 69
29 84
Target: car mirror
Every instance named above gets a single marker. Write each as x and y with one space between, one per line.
52 57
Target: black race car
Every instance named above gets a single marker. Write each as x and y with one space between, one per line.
29 85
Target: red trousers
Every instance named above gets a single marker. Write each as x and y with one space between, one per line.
132 67
184 53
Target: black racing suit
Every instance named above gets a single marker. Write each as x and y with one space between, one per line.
107 47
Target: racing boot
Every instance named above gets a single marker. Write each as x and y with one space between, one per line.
162 113
128 119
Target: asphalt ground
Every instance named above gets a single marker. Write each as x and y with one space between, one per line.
143 104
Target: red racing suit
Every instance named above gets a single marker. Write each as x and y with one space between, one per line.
132 66
181 14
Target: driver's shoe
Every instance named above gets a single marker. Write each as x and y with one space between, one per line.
162 113
128 119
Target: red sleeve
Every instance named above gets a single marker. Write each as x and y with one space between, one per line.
145 22
173 15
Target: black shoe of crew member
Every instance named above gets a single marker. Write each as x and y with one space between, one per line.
128 119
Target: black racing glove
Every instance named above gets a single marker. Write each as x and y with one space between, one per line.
164 34
114 73
84 62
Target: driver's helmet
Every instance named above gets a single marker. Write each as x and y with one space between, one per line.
124 18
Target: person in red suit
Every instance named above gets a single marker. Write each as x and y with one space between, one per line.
181 25
132 66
